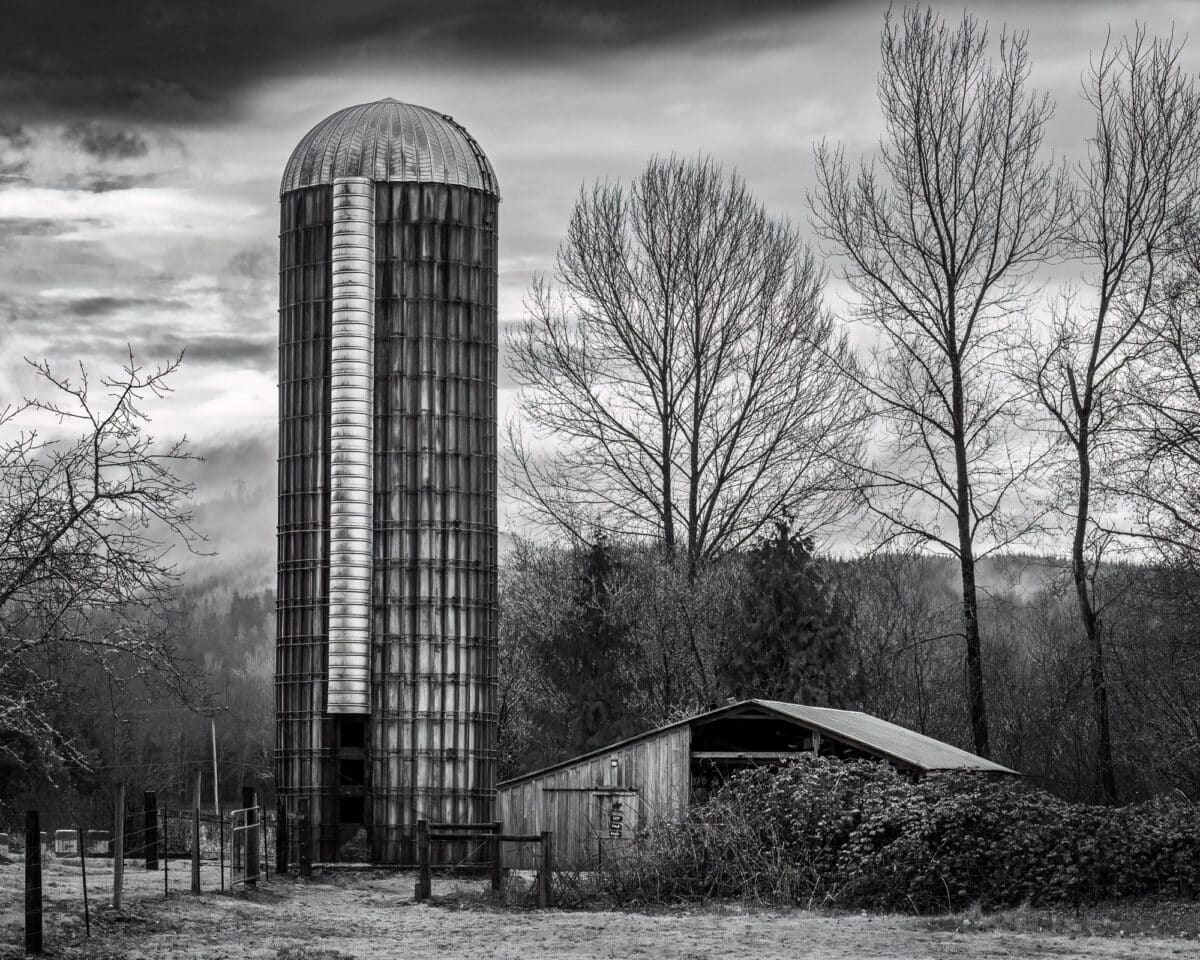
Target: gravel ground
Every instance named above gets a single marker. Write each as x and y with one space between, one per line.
360 914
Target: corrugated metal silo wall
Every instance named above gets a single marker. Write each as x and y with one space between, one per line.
433 673
304 754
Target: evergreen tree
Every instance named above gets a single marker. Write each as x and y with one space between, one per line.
588 659
793 644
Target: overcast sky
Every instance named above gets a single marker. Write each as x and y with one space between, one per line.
140 154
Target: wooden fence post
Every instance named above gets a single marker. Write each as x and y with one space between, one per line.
87 919
118 846
166 856
424 880
250 801
545 890
304 840
221 846
196 787
150 829
497 874
33 883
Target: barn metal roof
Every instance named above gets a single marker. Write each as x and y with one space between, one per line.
389 140
880 736
853 727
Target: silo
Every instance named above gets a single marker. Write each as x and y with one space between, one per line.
386 623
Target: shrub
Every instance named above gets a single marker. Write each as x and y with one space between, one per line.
859 834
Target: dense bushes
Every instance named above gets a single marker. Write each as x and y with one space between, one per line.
826 832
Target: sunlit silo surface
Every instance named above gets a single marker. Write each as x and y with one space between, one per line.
386 643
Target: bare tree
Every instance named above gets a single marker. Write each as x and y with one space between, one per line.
87 515
677 377
1133 191
1162 459
940 236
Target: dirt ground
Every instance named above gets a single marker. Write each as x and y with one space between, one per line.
356 915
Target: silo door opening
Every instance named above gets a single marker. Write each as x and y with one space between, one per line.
353 841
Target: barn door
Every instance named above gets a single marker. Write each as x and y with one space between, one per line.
614 821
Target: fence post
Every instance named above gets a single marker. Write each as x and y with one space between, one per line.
87 919
281 837
250 801
221 846
545 892
304 840
196 786
33 883
150 829
424 881
118 846
497 829
166 856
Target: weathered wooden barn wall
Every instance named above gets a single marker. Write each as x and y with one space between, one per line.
650 779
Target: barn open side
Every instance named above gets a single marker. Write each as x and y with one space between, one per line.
598 801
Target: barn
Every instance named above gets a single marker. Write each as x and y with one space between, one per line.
602 798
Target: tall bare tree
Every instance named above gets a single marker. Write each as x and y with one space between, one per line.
940 236
677 380
1162 468
1132 193
87 514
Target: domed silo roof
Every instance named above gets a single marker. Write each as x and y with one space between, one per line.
388 140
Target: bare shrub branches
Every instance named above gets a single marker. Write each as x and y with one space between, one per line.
87 518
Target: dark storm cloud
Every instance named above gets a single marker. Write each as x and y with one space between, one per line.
14 141
177 58
106 306
228 351
105 141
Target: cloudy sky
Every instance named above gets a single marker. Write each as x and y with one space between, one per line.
141 144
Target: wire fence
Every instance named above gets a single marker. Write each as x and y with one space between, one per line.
73 875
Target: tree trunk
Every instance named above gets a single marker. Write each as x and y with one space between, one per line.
1105 775
976 704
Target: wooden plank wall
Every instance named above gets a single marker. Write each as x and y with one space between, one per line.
561 800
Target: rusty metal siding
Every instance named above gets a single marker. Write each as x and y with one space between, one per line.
656 768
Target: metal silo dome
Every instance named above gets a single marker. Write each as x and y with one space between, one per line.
389 141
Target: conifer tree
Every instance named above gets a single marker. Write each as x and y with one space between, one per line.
793 645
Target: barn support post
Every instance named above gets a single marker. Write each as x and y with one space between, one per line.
424 880
545 889
33 883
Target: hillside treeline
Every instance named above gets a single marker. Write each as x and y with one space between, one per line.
601 642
